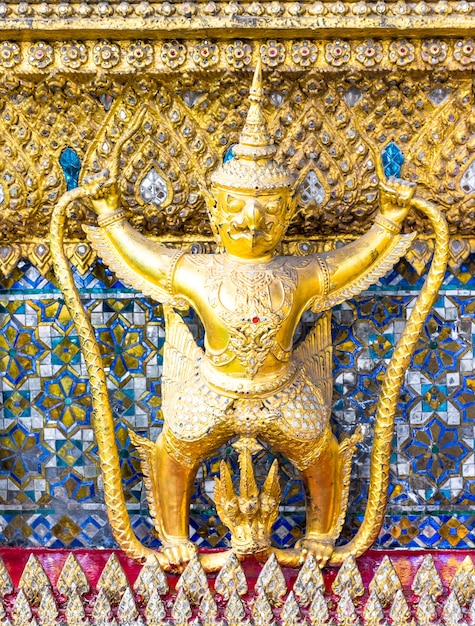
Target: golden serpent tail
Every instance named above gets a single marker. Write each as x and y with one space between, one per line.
384 422
102 414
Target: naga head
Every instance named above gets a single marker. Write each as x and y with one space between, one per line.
253 192
251 514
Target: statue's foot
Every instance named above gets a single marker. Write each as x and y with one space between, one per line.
178 553
321 548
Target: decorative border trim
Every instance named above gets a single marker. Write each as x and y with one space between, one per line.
293 55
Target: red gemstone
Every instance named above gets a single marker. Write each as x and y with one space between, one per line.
255 320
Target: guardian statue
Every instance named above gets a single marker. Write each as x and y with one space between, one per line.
249 383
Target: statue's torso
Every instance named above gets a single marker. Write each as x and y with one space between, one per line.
250 311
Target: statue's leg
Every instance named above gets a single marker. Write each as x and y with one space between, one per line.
322 481
175 468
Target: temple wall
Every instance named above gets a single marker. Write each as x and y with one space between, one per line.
334 104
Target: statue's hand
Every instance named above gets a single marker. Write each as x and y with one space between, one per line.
103 193
395 198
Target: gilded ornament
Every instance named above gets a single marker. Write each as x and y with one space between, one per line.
427 579
308 581
399 611
33 580
209 610
72 576
48 611
235 611
102 610
144 9
290 614
233 8
193 581
338 8
84 10
124 9
385 581
205 54
369 53
373 611
464 51
73 54
274 8
348 578
151 578
345 610
426 609
401 52
317 8
75 613
166 9
296 9
139 54
318 614
271 581
434 51
463 7
127 609
256 8
452 612
40 55
155 610
10 54
21 612
463 583
231 578
4 10
181 610
113 581
238 54
360 8
211 8
262 611
187 9
173 54
304 53
106 54
337 53
64 10
6 584
272 53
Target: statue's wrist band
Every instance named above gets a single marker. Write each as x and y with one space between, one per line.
387 224
105 221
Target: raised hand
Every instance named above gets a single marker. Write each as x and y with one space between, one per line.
395 197
103 192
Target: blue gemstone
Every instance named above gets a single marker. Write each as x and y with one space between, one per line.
229 154
71 165
393 159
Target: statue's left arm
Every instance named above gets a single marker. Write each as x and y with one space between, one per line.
369 257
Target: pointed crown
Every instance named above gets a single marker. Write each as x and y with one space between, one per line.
253 167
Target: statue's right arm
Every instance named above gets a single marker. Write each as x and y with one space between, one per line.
150 260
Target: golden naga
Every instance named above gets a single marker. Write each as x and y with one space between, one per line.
249 381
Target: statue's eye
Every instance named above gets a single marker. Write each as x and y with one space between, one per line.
274 206
234 205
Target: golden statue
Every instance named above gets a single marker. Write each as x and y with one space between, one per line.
249 381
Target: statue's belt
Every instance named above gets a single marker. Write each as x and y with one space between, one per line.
242 388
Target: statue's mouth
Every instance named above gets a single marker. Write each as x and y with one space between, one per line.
243 232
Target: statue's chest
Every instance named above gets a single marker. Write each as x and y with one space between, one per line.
252 304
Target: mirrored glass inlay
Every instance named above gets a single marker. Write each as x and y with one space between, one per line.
312 189
71 165
467 183
153 188
2 194
393 159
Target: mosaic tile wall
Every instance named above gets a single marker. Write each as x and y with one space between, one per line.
50 487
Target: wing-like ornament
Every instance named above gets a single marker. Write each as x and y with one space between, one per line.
315 355
122 270
398 248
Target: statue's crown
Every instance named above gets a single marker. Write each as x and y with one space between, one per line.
253 167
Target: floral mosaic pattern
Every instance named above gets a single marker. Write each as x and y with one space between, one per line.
49 457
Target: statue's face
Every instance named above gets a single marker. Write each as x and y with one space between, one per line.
251 225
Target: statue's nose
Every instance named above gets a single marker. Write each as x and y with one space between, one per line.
254 215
